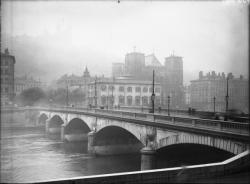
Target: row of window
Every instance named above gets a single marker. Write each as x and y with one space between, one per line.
129 89
145 100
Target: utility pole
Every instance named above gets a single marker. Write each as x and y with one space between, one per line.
227 100
67 94
95 93
153 93
168 105
112 98
214 104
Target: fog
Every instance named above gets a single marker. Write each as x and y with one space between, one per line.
50 39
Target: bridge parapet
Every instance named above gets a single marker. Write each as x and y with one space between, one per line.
208 124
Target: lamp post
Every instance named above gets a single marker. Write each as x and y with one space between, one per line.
227 97
95 93
67 95
153 93
168 105
214 103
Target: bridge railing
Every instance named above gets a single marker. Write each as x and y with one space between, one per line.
235 127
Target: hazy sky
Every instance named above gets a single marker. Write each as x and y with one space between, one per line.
208 35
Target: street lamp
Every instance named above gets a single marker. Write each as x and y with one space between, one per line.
153 93
67 94
168 105
227 97
214 103
95 93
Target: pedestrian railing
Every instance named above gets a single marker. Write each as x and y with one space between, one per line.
217 125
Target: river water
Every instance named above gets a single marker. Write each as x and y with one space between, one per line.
30 155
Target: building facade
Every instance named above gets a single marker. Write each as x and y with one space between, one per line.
211 89
7 77
173 81
169 75
25 82
122 92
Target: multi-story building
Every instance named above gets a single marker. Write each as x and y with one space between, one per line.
134 64
74 80
173 81
211 89
7 77
169 75
122 92
24 82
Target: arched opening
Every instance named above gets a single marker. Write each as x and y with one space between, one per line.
42 119
77 126
76 130
116 140
189 154
55 124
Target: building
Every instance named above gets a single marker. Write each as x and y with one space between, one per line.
134 64
73 81
118 69
24 82
7 77
204 89
173 81
169 75
122 92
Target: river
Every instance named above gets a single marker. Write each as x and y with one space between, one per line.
30 155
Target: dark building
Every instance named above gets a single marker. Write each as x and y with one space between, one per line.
7 77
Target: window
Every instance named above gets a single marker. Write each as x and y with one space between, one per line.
137 100
111 88
129 89
158 90
6 90
121 100
145 100
129 100
103 87
158 100
103 100
145 89
121 88
150 89
138 89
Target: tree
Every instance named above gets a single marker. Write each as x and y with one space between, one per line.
31 96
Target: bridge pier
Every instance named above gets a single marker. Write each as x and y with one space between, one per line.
62 132
148 159
47 126
91 146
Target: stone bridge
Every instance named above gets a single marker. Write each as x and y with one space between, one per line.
116 132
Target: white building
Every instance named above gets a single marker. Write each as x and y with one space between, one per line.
122 92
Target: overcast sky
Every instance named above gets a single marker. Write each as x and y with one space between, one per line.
208 35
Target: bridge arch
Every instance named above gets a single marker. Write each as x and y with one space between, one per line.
77 126
117 140
226 145
55 121
42 118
